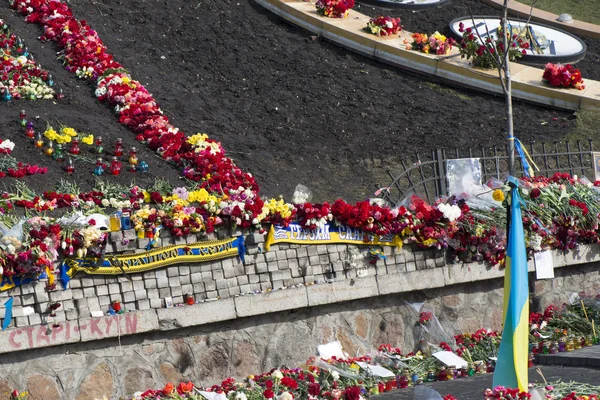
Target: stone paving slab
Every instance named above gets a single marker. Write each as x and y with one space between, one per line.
587 357
472 388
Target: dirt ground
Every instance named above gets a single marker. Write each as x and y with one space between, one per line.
287 107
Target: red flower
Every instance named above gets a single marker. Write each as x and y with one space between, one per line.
185 387
269 394
314 389
352 393
289 382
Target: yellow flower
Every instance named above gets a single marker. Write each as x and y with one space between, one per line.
63 139
68 131
146 196
50 133
89 139
498 195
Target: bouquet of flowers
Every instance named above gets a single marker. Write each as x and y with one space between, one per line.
384 26
565 76
434 44
471 47
334 8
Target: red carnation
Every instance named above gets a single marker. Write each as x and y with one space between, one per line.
535 193
269 394
314 389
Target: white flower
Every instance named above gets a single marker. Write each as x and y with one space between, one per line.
21 60
105 202
389 24
7 144
335 375
277 374
100 91
285 396
240 396
451 212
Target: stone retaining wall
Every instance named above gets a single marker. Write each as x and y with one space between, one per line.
333 293
284 265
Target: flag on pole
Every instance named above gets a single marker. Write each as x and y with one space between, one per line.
8 306
511 367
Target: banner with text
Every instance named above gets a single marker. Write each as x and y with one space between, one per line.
328 234
153 259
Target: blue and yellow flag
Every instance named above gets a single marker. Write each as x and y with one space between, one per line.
511 367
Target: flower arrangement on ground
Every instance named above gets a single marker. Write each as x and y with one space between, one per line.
433 44
334 8
482 54
564 76
384 26
21 76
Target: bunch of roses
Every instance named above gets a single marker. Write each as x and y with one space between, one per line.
433 44
428 228
388 349
334 8
565 76
279 212
372 218
243 208
483 54
20 75
22 170
502 393
181 221
6 146
384 26
313 216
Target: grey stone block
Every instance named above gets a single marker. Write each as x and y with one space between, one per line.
242 279
273 266
156 303
114 288
301 252
265 286
253 278
27 299
71 314
195 278
270 256
129 297
176 291
80 303
41 297
184 270
261 267
104 300
198 288
152 293
117 296
172 271
138 285
141 294
223 293
101 290
87 281
185 280
143 304
150 283
77 293
89 292
162 282
68 304
207 276
21 321
161 273
283 264
218 275
166 292
185 289
93 304
210 286
174 282
35 319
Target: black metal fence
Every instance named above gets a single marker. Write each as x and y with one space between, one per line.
426 176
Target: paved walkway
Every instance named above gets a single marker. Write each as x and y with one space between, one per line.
586 357
472 388
522 10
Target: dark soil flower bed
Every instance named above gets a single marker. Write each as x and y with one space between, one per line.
287 107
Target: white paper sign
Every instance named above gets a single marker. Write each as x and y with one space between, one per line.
326 351
449 358
213 395
96 314
376 370
544 266
28 310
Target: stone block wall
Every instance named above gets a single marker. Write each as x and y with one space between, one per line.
285 265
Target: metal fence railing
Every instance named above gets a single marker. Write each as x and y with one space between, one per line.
426 176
